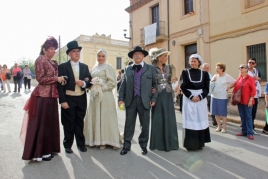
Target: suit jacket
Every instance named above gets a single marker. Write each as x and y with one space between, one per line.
47 78
65 69
148 80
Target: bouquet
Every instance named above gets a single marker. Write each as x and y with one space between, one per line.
96 89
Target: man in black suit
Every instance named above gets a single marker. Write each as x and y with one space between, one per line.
136 93
73 98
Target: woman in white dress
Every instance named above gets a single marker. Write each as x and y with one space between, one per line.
101 123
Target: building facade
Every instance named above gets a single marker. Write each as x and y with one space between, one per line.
117 50
220 31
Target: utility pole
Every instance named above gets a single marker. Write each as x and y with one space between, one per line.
59 51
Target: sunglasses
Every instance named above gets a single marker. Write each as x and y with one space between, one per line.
251 63
241 67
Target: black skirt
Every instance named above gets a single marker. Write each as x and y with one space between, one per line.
196 139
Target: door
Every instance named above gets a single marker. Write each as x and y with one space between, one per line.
189 50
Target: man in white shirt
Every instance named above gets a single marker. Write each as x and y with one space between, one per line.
73 98
252 71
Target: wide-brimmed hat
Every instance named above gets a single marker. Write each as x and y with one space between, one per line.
137 49
72 45
156 52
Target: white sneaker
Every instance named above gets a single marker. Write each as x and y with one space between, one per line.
223 131
102 147
217 129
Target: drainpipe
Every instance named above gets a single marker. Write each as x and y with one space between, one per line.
168 27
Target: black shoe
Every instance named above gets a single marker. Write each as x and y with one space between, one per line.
46 159
265 132
82 149
51 155
68 150
143 151
124 151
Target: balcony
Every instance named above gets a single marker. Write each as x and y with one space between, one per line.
160 33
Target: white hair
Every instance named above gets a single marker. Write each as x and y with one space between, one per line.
205 64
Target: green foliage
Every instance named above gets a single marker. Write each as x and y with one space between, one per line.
63 57
23 61
126 62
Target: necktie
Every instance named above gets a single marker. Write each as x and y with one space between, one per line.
137 67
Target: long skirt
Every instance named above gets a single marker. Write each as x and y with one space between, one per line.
164 134
42 130
196 139
101 122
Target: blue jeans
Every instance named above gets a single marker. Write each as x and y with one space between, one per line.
245 113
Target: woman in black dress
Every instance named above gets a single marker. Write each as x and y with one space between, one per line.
195 88
164 135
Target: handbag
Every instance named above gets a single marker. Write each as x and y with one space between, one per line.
8 76
236 97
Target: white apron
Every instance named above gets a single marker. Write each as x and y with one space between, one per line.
194 114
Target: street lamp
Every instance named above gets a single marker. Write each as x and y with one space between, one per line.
125 34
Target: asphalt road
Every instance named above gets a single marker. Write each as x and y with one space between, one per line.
227 156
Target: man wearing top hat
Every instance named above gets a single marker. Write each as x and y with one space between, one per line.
73 98
136 93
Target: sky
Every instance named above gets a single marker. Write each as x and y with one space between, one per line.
25 24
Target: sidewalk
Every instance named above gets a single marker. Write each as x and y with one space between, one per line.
236 119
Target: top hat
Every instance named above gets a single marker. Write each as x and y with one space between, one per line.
137 49
72 45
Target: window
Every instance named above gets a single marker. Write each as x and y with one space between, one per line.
118 62
188 6
189 50
258 51
155 18
250 3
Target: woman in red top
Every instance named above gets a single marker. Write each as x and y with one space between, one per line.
40 132
247 100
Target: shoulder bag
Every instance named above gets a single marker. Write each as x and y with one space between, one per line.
236 97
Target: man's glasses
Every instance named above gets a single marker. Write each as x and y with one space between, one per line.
241 67
251 63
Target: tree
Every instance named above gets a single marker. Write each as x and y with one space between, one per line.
23 61
63 57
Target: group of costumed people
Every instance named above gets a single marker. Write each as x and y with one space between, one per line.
145 88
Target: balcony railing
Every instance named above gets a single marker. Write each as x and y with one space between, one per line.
160 32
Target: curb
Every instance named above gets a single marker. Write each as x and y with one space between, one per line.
235 119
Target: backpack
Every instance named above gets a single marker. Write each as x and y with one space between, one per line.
19 75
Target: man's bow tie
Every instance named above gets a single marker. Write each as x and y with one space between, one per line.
137 67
